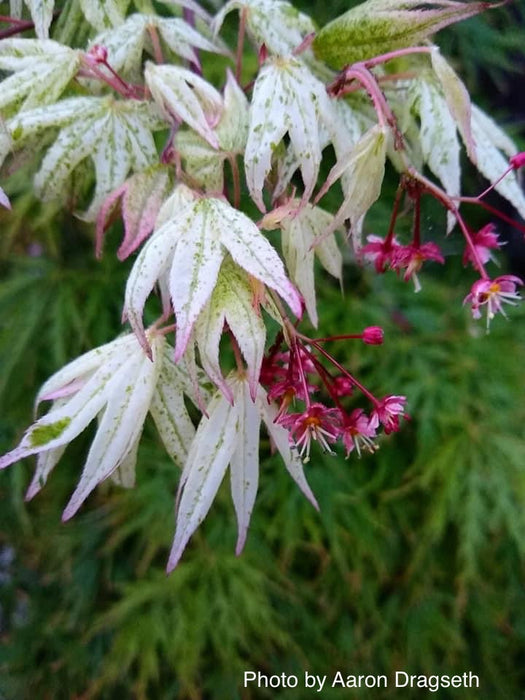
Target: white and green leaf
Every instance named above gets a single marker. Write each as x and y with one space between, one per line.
41 14
253 252
439 141
208 458
42 69
195 267
170 414
185 96
231 301
287 98
128 396
458 99
493 148
104 14
244 463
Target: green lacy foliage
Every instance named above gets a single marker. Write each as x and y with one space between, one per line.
414 562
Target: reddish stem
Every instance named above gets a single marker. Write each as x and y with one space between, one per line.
240 44
19 25
340 367
447 201
493 210
155 40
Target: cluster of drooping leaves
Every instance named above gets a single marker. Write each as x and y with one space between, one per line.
128 125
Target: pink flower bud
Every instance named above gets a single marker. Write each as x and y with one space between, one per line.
99 53
373 335
518 161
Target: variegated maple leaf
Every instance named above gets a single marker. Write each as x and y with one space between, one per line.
438 136
275 23
231 303
115 134
229 434
363 170
118 384
141 198
204 163
184 96
287 99
127 42
189 248
41 71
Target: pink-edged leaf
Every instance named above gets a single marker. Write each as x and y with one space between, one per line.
79 368
140 205
187 97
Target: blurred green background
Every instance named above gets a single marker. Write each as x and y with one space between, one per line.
415 561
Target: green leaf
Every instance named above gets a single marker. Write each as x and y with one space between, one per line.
376 27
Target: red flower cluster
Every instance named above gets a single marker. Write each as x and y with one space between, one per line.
296 374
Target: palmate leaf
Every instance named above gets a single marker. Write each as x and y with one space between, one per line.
116 135
287 98
300 231
229 434
204 163
186 97
126 43
42 69
364 169
379 26
189 249
130 391
141 198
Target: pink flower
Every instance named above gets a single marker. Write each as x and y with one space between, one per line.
358 432
483 240
387 412
492 294
317 423
380 251
411 258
